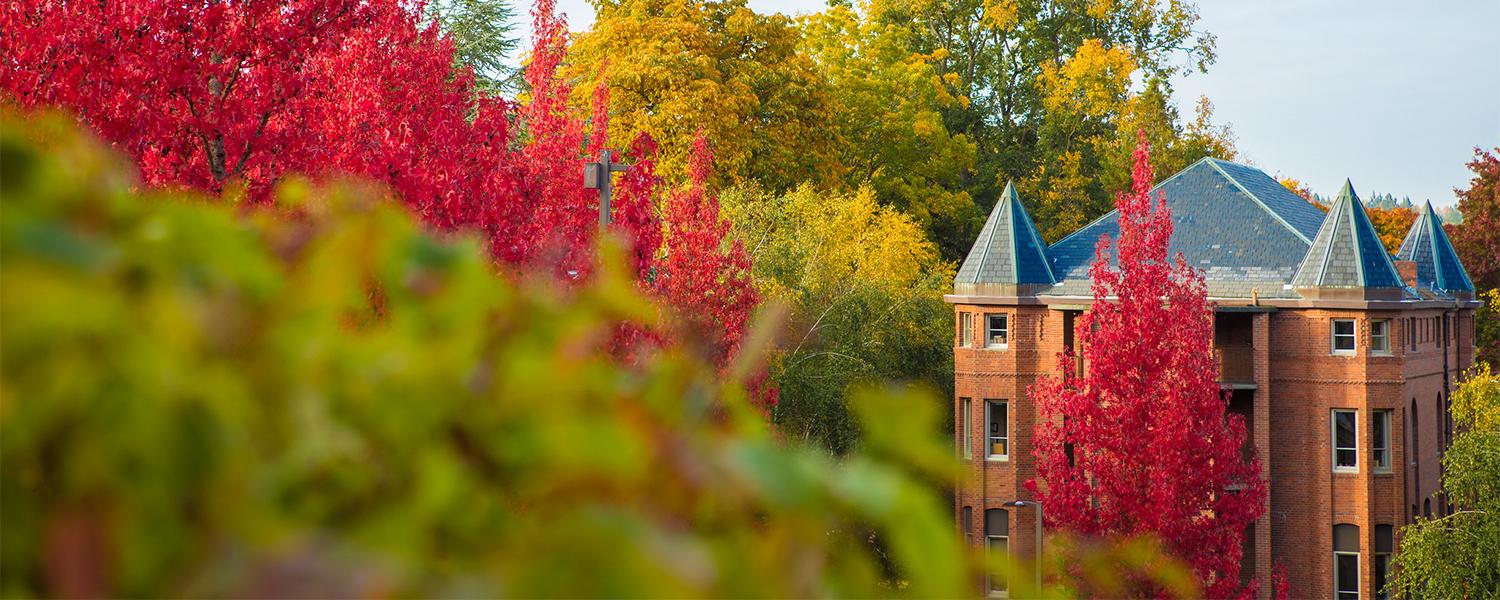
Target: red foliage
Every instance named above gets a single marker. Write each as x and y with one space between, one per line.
1141 444
204 94
698 274
1477 239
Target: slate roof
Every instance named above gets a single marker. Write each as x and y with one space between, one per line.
1438 266
1249 235
1347 252
1008 250
1246 231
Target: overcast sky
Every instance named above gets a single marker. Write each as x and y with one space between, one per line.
1391 94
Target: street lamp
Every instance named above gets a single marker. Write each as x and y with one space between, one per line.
596 176
1038 506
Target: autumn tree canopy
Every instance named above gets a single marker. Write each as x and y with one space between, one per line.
1142 443
675 68
236 96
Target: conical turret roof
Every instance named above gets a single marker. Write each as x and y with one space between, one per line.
1438 266
1008 252
1347 252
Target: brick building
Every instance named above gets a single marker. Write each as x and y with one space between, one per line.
1339 356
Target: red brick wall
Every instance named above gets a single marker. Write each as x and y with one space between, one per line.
1299 383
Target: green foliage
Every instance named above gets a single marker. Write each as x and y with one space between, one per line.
1054 92
865 289
321 399
889 101
1458 556
481 38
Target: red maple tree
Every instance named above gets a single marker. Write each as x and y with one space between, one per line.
702 274
1141 444
208 94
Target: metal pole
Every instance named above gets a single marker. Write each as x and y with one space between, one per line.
1038 566
605 167
1039 516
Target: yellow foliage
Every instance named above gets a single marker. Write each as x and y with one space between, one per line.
677 67
1095 81
1000 14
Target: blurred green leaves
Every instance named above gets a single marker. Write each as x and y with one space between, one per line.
319 398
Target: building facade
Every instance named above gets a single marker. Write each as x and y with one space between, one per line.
1339 356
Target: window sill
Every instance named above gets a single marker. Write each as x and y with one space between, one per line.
1383 473
1382 354
1341 353
1345 471
997 458
1005 347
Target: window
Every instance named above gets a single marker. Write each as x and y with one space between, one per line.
968 524
1345 452
1346 562
1414 449
1343 336
1380 337
1411 332
997 331
1447 416
1383 546
965 330
1380 452
998 419
997 542
968 427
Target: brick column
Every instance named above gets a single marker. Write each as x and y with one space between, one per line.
1261 343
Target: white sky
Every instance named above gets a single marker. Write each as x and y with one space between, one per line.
1391 94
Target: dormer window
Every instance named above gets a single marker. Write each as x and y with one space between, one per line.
997 331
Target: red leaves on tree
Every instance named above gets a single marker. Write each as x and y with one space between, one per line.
203 94
698 275
1142 443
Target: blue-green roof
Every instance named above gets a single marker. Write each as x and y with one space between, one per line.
1427 245
1247 232
1008 251
1347 252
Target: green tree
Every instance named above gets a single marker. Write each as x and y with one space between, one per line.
865 291
1055 92
677 66
889 102
481 32
1458 556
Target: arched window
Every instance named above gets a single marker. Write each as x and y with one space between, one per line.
1384 542
1427 508
1438 401
997 542
1346 562
968 524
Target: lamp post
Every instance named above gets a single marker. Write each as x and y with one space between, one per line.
596 176
1038 506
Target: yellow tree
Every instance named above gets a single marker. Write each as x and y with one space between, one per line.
1392 224
865 288
677 66
889 101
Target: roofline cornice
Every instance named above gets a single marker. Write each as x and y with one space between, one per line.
1222 302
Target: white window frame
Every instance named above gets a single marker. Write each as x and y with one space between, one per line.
989 440
1334 335
1333 440
968 426
965 329
1380 344
1337 593
1380 442
989 331
989 583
